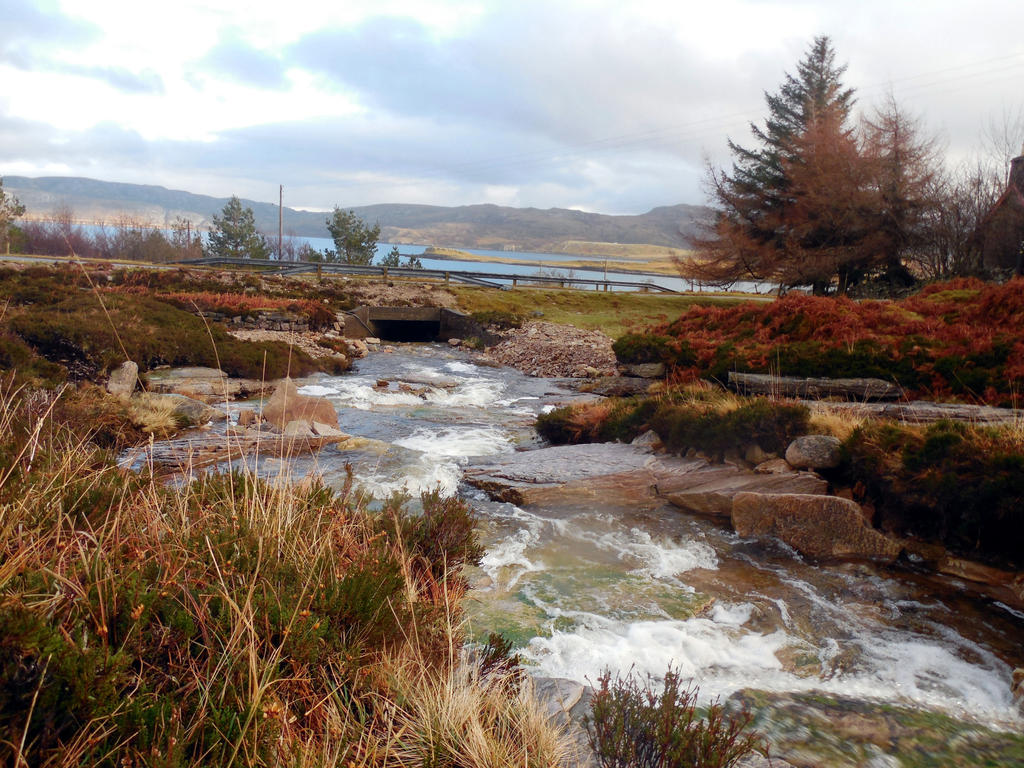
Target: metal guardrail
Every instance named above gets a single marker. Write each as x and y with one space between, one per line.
485 279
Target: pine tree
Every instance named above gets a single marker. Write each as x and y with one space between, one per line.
234 234
10 209
354 241
785 212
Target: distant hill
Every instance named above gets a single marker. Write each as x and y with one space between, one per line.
468 226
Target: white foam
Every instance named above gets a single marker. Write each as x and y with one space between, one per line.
361 394
660 559
506 563
721 656
457 366
459 442
699 648
477 392
316 390
422 474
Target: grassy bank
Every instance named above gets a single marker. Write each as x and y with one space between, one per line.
953 340
68 323
613 313
233 621
957 485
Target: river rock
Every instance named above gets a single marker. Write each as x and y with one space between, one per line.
287 405
773 467
298 428
968 570
567 702
649 438
756 455
209 385
711 491
247 417
326 430
576 471
644 370
814 452
789 386
123 378
617 386
823 527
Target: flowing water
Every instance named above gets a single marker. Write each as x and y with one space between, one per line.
582 588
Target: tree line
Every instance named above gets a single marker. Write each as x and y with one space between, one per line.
233 234
824 202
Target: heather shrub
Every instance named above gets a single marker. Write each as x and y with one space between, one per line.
632 725
770 424
950 482
653 348
225 621
957 338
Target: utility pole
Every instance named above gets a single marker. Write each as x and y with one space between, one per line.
280 222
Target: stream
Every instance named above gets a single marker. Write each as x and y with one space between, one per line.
585 587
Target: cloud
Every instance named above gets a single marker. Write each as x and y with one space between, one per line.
528 66
28 23
238 60
31 32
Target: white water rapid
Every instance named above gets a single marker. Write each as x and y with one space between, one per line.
584 589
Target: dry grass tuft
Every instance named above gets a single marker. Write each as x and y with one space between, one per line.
154 415
838 422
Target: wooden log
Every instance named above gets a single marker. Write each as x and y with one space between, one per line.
789 386
923 412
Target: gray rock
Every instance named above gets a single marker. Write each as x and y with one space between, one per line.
122 379
210 385
649 438
774 467
823 527
617 386
644 370
566 702
814 452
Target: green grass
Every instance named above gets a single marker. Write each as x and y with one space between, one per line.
614 313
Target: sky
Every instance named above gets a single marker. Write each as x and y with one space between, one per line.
614 107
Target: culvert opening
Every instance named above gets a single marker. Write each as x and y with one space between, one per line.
407 330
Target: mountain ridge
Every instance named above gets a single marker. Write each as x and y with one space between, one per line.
480 225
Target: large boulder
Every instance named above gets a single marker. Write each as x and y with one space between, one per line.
822 527
122 379
209 385
814 452
287 405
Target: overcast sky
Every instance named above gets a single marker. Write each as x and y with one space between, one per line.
605 106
